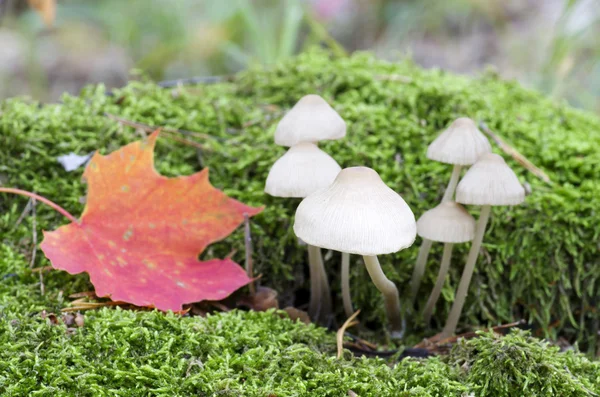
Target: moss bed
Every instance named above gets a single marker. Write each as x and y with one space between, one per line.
541 260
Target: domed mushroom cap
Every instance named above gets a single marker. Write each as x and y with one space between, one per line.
461 143
302 170
310 120
449 222
490 181
358 214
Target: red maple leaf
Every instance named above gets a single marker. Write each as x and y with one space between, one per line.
141 233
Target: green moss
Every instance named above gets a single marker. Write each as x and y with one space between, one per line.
519 365
128 353
541 259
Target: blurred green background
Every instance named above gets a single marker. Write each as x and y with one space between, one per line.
550 45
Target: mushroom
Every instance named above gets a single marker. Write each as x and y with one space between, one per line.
360 214
450 224
460 144
303 169
311 119
490 181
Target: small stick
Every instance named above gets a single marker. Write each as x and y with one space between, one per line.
44 200
248 248
340 333
150 128
23 214
34 236
516 155
34 249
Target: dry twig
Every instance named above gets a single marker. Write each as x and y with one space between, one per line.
518 157
350 322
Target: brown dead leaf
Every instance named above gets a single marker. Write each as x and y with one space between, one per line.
264 299
297 314
68 319
79 320
51 317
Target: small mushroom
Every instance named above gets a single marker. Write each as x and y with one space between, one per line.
311 119
304 169
360 214
460 144
490 181
450 224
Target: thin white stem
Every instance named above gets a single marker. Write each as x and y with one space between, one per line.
439 283
465 280
346 285
314 306
449 193
419 269
325 297
390 294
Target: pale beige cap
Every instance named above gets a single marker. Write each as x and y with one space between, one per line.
358 214
449 222
302 170
461 143
310 120
490 181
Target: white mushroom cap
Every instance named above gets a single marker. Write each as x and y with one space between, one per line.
490 181
302 170
310 120
358 214
449 222
462 143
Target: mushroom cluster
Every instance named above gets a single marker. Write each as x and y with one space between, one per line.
489 181
353 211
303 170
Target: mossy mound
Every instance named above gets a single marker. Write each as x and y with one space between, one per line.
540 260
149 353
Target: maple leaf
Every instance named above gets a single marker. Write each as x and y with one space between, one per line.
141 233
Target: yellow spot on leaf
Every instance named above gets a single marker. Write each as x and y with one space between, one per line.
149 264
125 188
128 233
121 261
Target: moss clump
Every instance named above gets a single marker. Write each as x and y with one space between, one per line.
519 365
541 259
128 353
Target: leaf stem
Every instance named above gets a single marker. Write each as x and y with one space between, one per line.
44 200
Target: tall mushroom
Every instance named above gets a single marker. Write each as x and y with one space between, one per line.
450 224
361 215
460 144
303 169
490 181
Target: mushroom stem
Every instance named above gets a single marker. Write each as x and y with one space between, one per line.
439 283
426 244
347 299
390 294
465 280
449 193
325 290
319 307
419 269
314 306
